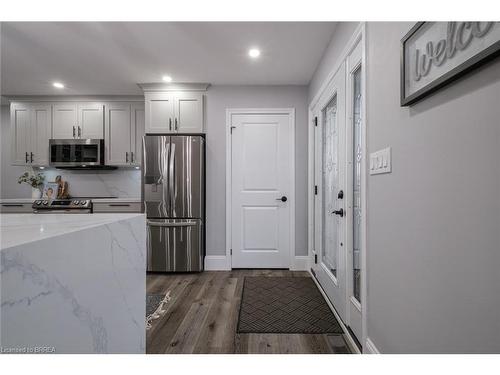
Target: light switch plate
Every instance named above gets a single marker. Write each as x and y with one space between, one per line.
380 161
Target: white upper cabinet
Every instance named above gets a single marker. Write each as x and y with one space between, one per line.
117 135
65 120
138 129
78 120
188 112
176 108
124 129
41 129
31 128
20 120
90 120
159 112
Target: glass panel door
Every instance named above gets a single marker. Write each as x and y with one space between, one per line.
330 186
356 186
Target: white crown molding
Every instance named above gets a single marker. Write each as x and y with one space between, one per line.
161 87
74 98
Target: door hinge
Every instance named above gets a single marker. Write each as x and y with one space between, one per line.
315 258
315 189
315 121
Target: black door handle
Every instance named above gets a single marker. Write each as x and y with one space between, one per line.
283 199
339 212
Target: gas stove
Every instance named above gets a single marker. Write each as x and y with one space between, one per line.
62 206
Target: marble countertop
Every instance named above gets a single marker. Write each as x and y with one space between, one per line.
97 200
17 229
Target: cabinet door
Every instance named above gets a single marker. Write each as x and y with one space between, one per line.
188 112
20 131
90 120
159 112
138 129
117 134
41 127
65 121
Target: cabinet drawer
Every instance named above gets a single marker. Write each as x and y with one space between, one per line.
101 207
16 208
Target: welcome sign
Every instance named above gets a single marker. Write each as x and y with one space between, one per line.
435 53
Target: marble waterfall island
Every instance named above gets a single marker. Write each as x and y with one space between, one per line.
72 283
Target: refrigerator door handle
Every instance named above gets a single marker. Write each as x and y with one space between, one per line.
171 171
160 224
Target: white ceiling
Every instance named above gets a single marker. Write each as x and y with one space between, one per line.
111 58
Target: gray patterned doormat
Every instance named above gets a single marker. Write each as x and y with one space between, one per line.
284 305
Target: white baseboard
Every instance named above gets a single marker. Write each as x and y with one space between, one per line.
217 263
370 347
300 263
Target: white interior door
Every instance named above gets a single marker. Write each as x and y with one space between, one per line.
261 190
330 179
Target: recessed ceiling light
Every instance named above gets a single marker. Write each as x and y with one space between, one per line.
59 85
254 53
167 78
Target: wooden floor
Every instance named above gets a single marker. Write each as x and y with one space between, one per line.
203 314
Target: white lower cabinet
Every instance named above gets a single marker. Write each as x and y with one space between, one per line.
124 129
110 207
31 125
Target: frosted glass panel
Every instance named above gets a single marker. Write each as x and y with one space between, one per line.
356 204
330 185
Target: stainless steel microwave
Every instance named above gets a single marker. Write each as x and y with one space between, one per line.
76 152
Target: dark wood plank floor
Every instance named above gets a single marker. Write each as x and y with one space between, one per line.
203 314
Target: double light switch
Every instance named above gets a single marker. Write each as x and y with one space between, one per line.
380 161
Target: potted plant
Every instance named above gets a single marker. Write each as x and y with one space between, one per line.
35 180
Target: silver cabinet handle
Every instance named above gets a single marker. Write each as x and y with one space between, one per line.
176 127
31 155
26 157
170 123
79 132
160 224
74 132
131 156
126 157
119 205
12 205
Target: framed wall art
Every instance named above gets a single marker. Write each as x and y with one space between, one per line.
433 54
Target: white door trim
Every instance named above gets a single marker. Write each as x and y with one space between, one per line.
358 36
263 111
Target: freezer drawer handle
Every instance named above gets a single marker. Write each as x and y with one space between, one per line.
158 224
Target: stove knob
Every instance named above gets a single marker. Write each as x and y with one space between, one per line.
38 203
83 203
45 203
76 203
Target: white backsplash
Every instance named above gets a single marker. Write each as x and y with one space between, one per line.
123 183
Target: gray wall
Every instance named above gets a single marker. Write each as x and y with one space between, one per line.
434 222
219 98
341 35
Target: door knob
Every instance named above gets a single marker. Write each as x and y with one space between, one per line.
339 212
283 199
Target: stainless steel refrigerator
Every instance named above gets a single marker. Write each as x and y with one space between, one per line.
173 195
